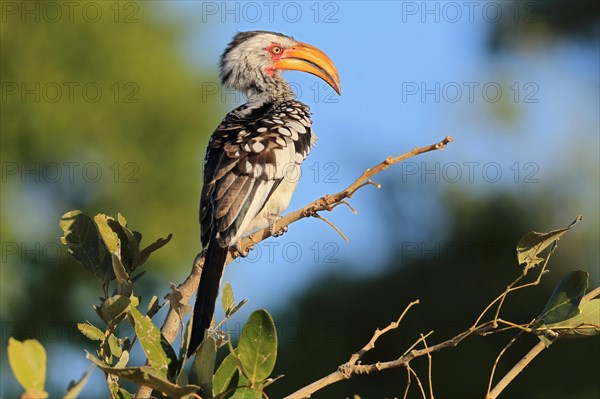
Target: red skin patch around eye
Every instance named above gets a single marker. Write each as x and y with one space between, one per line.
274 57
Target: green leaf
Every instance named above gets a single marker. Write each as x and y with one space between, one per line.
85 245
564 302
133 244
227 299
138 237
184 343
533 243
115 347
145 253
224 374
204 364
147 376
119 240
125 284
150 339
585 324
130 245
114 309
174 365
123 360
27 360
90 331
257 349
74 388
153 306
117 243
244 391
247 393
109 236
121 219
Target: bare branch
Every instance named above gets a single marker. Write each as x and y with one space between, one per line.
172 322
346 370
328 202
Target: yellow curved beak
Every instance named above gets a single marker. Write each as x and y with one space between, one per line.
307 58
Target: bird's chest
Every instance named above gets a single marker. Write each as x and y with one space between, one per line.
272 133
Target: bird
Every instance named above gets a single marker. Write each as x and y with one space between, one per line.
249 175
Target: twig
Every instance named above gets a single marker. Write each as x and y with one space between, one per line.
503 383
510 288
316 215
429 358
508 345
509 326
417 342
343 202
378 333
418 381
407 384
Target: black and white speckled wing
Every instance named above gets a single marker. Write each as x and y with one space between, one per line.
247 159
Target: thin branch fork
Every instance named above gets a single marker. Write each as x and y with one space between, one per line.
378 333
329 202
348 370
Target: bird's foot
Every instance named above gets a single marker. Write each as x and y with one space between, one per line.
310 211
243 252
274 232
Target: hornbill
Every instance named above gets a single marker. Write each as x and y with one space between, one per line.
247 179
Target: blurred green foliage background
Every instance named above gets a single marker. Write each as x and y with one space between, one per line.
126 134
130 141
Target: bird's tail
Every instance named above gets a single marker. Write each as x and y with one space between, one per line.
208 290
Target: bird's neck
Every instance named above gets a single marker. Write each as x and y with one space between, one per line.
275 90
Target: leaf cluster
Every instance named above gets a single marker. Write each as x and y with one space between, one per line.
112 252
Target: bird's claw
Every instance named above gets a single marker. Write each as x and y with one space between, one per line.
243 252
274 232
310 211
280 232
